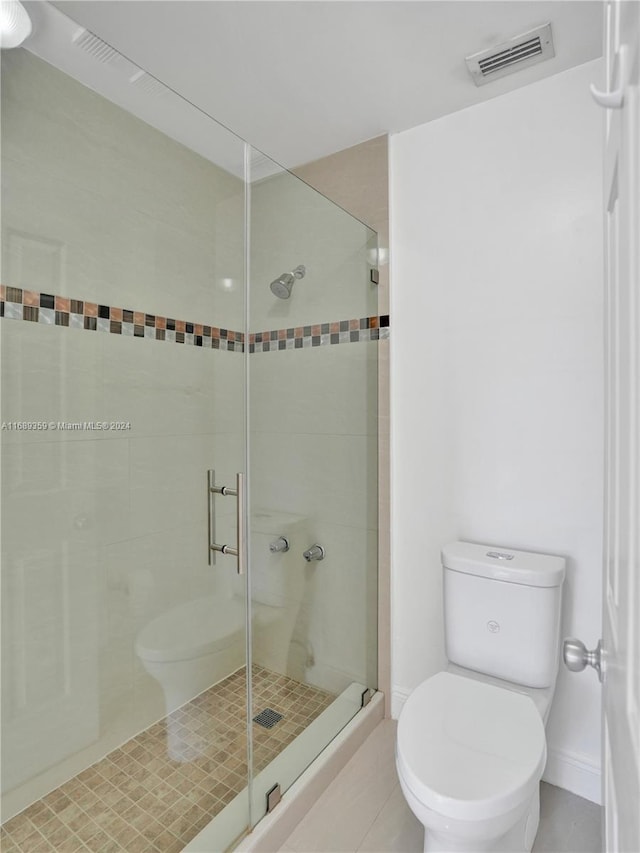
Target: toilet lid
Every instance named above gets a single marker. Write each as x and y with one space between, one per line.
469 750
192 629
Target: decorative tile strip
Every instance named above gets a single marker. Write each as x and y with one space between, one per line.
321 334
46 308
51 310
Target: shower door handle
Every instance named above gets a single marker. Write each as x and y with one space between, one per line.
213 547
242 557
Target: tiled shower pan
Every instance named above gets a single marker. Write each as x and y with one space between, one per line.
139 799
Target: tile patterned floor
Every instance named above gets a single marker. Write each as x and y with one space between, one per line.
139 800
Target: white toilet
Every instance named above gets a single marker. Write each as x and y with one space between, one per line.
192 646
471 745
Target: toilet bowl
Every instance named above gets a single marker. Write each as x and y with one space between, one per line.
471 745
470 757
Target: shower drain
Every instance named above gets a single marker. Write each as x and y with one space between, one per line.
267 718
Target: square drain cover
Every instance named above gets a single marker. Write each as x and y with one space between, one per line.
267 718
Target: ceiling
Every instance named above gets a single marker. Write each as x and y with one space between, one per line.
303 79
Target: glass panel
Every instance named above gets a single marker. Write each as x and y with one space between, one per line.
123 651
313 449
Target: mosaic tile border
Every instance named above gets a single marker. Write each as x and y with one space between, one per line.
321 334
51 310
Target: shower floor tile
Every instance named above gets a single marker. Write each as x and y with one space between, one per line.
140 799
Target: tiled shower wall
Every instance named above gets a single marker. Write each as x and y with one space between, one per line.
357 179
104 530
313 429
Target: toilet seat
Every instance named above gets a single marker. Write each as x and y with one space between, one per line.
469 750
192 630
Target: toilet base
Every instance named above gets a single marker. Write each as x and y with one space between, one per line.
518 839
511 832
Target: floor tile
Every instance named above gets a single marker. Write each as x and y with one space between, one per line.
122 802
568 824
396 829
364 810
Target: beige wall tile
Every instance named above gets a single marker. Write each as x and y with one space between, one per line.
121 213
357 179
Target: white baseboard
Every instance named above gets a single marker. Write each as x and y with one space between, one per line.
574 772
399 696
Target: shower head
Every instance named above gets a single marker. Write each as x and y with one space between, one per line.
281 286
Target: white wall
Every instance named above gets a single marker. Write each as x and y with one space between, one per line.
497 370
313 440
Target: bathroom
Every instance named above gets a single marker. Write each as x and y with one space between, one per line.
426 256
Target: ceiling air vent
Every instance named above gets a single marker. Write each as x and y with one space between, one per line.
511 56
148 84
102 52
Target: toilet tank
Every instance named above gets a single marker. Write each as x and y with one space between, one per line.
502 611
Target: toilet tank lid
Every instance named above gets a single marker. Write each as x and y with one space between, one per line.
505 564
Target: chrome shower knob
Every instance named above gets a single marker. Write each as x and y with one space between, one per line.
315 552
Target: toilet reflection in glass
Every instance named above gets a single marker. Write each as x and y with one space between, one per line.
189 648
471 746
193 645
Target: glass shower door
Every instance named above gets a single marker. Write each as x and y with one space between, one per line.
136 360
313 499
123 650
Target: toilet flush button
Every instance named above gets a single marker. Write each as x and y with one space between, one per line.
494 627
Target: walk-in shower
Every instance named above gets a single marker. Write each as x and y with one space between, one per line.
281 286
132 669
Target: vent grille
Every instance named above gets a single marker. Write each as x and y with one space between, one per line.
102 52
517 53
532 47
99 50
148 84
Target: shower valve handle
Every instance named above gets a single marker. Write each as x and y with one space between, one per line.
279 545
315 552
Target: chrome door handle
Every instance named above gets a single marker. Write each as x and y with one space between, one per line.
577 657
242 557
237 550
211 517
